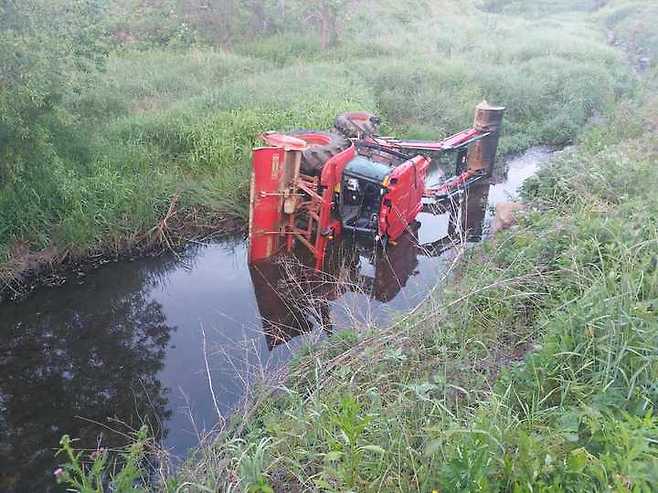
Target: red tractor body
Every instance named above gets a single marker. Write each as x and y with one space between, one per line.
311 187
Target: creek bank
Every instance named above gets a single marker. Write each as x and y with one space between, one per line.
26 270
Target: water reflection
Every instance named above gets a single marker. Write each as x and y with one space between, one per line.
293 298
95 357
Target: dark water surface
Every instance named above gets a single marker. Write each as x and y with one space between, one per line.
124 344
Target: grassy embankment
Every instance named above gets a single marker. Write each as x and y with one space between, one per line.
158 128
536 371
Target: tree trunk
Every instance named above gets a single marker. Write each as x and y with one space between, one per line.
327 26
227 35
258 21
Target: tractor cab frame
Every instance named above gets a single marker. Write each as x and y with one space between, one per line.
362 191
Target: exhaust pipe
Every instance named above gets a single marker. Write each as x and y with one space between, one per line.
482 155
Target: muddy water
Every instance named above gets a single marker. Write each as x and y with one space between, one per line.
125 344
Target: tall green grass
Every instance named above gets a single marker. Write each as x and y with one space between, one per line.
632 23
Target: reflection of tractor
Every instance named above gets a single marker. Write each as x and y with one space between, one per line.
293 298
310 187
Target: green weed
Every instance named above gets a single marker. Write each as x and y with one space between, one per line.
91 473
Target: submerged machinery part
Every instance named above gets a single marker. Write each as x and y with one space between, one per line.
482 156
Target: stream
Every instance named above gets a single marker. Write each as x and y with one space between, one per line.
128 343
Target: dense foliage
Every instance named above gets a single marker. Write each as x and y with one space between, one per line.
41 61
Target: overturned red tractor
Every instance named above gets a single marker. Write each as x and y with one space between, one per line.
310 187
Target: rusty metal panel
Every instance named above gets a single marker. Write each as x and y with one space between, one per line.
482 155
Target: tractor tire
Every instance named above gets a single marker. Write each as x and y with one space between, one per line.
322 147
367 121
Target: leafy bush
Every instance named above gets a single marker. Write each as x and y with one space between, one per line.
41 61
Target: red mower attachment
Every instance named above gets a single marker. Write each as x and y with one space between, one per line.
287 205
